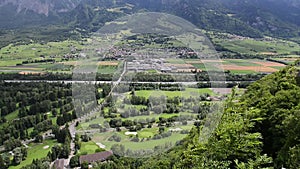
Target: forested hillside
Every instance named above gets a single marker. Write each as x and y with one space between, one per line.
245 18
259 129
252 19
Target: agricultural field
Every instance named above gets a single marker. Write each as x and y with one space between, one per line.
269 47
188 92
36 50
39 57
107 67
61 57
54 65
236 66
288 59
257 66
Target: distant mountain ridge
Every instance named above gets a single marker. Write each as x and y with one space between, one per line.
23 13
253 18
41 6
274 17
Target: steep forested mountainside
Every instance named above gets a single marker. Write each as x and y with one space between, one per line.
247 18
41 7
17 13
273 17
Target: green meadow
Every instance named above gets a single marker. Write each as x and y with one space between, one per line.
36 151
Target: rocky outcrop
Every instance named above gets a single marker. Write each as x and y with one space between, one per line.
42 6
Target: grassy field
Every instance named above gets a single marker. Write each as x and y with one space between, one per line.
6 62
176 61
243 71
277 67
186 93
12 116
204 67
137 145
241 62
156 116
12 55
107 69
36 151
236 66
147 132
38 67
289 59
35 50
88 147
100 120
250 66
85 124
251 46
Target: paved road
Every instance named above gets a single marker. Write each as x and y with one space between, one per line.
72 126
72 130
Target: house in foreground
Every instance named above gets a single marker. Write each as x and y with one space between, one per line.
59 164
97 157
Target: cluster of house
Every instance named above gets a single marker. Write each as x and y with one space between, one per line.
114 53
74 56
150 64
90 159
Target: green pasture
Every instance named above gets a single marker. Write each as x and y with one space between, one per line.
176 61
88 147
107 69
241 62
252 46
188 92
243 71
35 50
150 144
36 151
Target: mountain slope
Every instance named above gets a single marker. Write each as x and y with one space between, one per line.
203 13
272 17
41 7
17 13
242 17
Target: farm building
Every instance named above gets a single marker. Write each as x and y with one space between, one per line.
150 64
59 164
97 157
